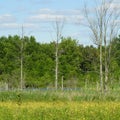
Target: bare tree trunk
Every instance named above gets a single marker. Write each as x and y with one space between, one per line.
97 86
21 73
56 66
106 56
62 87
106 69
21 62
101 72
58 30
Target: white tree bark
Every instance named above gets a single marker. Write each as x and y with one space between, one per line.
58 27
103 25
21 62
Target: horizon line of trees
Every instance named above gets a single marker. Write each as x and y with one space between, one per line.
77 64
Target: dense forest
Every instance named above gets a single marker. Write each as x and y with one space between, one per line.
77 64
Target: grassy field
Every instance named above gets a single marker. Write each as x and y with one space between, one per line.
49 96
59 105
60 111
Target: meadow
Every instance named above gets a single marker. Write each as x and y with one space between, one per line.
60 111
59 105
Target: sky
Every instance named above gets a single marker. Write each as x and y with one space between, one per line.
38 18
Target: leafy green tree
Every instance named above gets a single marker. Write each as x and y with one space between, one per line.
69 59
39 63
115 59
9 54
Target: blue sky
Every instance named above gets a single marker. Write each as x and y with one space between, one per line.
37 17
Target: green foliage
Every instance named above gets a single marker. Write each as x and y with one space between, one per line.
69 58
76 62
115 59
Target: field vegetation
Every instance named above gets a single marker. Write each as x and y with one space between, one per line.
63 79
59 105
78 96
60 111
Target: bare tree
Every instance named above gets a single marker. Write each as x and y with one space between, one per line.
21 61
58 27
104 26
111 27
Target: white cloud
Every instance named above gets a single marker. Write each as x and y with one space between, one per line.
115 6
7 18
8 21
112 6
29 25
15 25
43 11
9 25
42 1
47 15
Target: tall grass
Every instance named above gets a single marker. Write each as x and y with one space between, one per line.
67 95
83 104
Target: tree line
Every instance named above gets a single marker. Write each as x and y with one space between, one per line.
77 64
